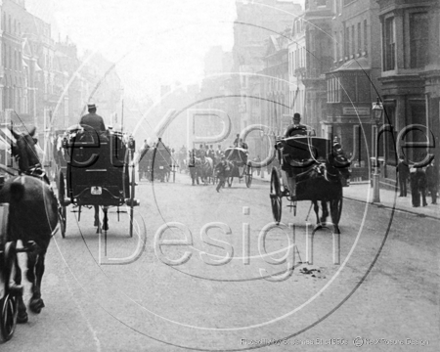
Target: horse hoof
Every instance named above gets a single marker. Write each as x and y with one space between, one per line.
36 305
22 317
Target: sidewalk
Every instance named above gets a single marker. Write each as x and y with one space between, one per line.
361 191
390 199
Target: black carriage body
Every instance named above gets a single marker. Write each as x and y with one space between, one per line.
238 157
298 156
156 162
97 170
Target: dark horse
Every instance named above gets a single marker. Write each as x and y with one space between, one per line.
32 218
324 183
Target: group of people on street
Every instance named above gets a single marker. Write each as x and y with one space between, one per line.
422 180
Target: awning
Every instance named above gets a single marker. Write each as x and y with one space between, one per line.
6 135
3 144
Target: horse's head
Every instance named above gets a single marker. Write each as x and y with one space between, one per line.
24 150
338 167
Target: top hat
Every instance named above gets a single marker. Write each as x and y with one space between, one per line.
91 106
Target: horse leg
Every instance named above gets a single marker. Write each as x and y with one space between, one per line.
105 220
36 303
334 209
22 316
324 211
96 216
316 210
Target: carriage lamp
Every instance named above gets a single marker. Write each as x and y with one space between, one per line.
377 110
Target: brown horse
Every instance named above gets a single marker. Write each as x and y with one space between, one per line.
32 218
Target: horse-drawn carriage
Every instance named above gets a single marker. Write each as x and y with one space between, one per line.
157 164
310 169
239 165
98 174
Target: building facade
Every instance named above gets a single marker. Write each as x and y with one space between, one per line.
410 78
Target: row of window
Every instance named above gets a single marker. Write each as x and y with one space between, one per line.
351 41
12 58
297 59
352 88
11 26
15 98
298 26
418 34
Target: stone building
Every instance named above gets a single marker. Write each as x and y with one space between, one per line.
352 81
256 22
410 78
297 62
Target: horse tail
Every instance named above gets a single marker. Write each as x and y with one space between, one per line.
17 190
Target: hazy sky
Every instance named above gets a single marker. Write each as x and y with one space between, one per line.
154 42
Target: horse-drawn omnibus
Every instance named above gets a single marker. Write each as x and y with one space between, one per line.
157 163
99 173
309 170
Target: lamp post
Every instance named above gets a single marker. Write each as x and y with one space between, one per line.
377 112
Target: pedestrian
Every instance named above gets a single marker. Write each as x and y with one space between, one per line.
211 152
432 181
200 152
237 140
221 170
219 151
415 194
422 184
403 172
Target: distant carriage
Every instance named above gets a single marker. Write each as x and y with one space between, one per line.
156 164
318 172
240 166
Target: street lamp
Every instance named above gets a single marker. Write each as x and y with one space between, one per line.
377 119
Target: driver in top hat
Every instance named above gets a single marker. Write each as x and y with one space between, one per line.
297 128
92 119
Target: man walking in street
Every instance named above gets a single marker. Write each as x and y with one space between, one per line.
415 194
432 181
403 171
421 176
221 170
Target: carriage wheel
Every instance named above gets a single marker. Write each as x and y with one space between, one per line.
61 196
8 316
132 193
248 175
8 303
275 195
230 181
